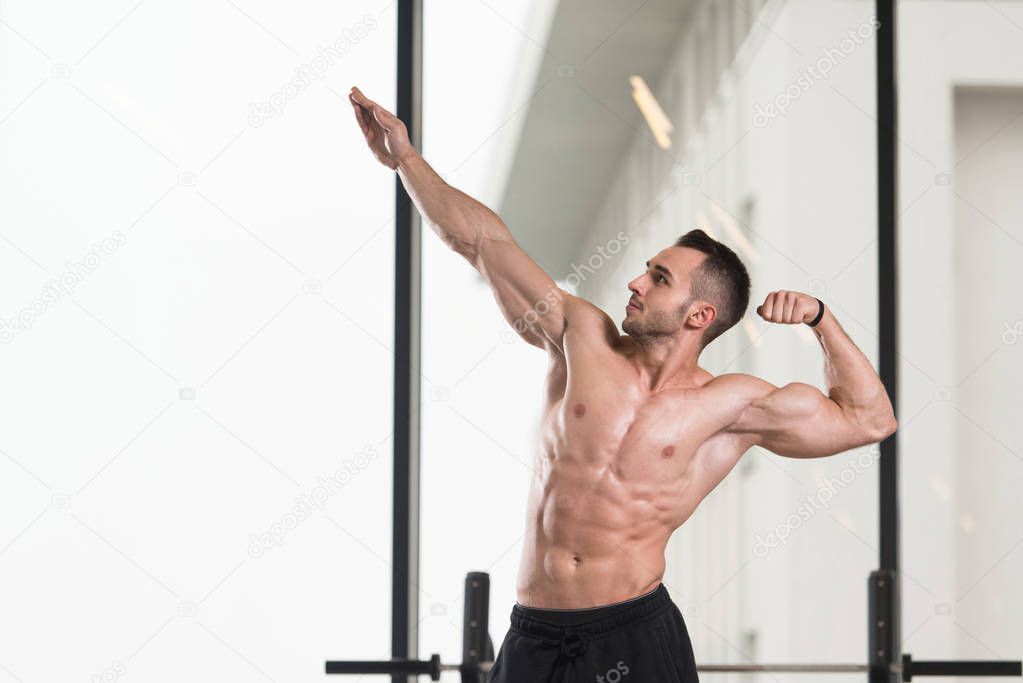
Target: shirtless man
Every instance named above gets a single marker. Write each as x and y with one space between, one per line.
634 433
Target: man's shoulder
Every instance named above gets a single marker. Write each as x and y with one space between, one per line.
732 394
586 317
740 386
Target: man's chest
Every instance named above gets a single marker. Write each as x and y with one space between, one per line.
596 412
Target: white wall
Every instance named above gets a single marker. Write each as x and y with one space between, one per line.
961 457
988 466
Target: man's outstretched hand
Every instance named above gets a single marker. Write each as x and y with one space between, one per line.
385 133
788 308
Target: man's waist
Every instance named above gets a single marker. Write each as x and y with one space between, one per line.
547 622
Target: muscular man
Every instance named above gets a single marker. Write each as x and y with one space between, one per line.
634 433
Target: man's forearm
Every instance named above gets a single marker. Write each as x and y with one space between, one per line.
852 380
458 219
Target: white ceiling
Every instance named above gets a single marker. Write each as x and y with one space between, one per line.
578 126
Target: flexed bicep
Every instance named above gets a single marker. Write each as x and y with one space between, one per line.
799 421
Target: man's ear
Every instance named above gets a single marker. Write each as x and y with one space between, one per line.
703 314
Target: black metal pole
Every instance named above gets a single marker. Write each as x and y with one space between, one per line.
912 668
887 177
405 521
885 603
398 669
475 625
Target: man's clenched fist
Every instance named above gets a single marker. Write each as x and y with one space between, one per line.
788 308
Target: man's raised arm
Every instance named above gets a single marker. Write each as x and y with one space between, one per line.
528 297
798 420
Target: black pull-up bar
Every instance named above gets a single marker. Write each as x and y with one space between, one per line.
478 652
996 667
394 667
908 668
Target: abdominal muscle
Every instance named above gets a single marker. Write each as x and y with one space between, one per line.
594 537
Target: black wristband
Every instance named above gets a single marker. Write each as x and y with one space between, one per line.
820 314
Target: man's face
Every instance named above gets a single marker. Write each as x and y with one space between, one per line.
662 294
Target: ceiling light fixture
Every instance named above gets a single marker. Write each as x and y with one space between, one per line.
659 124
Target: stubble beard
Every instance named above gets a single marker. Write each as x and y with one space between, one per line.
655 327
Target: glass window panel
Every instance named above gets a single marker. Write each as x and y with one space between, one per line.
532 113
196 316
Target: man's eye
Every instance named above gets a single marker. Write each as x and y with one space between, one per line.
662 278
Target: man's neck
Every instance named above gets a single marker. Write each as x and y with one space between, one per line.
666 363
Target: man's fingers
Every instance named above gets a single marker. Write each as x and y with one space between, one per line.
373 111
359 118
782 307
359 97
383 117
366 122
364 101
790 310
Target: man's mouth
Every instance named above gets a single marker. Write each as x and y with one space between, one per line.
633 304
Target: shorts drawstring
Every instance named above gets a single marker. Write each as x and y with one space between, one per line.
551 645
570 646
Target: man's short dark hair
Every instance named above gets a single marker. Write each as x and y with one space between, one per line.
721 279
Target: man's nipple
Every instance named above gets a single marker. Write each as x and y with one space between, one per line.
580 410
668 452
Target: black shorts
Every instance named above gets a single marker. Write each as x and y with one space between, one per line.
642 640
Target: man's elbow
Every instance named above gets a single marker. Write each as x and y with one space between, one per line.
883 429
